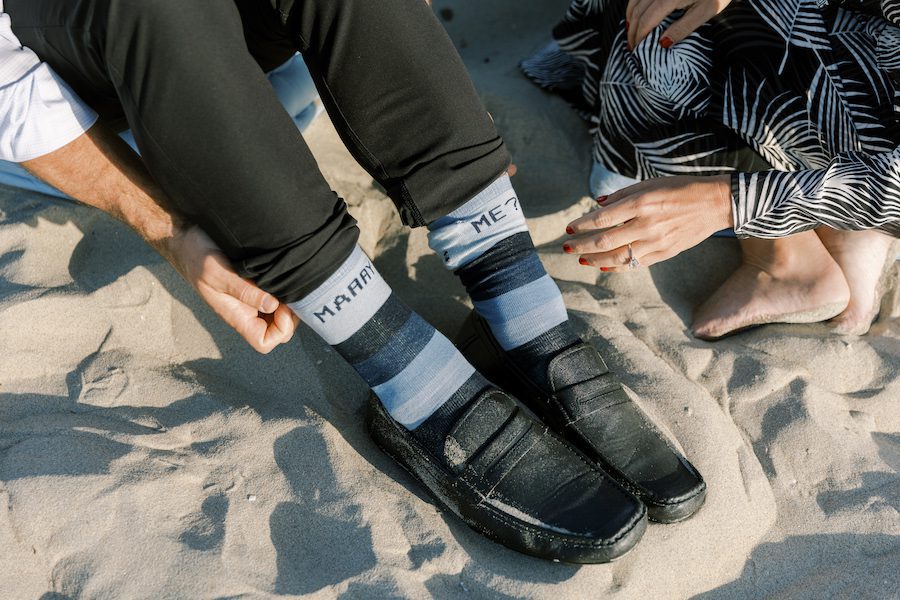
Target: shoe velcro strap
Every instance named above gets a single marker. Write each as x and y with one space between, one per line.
478 427
495 460
575 365
589 397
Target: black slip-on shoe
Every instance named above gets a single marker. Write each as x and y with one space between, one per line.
590 408
509 477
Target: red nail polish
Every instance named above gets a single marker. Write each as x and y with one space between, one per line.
583 261
569 230
602 199
627 24
567 249
666 42
604 269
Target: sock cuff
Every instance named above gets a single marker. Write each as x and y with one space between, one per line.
501 186
465 234
346 300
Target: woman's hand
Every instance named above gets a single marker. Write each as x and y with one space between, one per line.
257 316
651 221
643 16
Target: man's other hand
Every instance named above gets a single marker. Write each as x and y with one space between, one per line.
256 315
100 170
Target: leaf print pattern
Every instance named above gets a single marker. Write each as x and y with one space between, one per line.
800 99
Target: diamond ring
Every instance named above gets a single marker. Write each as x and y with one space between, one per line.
633 262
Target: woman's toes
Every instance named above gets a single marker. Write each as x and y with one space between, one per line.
853 322
864 258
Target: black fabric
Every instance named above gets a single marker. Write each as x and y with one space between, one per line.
187 77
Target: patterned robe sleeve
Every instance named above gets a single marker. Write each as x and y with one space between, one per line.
855 191
887 9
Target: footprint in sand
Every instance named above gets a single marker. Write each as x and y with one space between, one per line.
205 530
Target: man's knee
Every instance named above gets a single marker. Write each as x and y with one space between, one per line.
153 22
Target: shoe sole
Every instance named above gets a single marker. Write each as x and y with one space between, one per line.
467 504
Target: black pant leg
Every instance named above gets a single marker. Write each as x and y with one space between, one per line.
211 131
208 124
401 99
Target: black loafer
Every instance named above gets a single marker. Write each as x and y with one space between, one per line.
589 407
507 476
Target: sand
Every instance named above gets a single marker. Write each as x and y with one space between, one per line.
147 452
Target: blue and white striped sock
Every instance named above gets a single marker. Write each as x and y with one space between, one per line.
487 244
412 368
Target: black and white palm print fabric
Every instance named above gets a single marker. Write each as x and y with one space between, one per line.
799 99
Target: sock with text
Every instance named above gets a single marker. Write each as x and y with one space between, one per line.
487 244
417 373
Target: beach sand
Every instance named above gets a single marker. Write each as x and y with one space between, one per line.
147 452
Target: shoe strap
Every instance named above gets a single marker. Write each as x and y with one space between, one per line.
486 436
579 403
582 384
579 363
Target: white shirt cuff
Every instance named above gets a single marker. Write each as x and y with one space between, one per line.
39 114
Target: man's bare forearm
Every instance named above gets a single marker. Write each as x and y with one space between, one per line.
101 170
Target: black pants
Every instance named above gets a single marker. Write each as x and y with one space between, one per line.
188 76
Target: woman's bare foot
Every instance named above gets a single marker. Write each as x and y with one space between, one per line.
790 280
863 257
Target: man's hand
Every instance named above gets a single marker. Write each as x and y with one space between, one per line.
659 218
257 316
100 170
643 16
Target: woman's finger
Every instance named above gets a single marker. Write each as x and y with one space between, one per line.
603 241
695 16
653 15
657 257
618 258
647 261
605 217
629 10
633 19
634 189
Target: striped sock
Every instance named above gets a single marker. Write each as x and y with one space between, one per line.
487 244
412 368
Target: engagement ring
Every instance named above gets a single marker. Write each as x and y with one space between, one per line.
633 262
